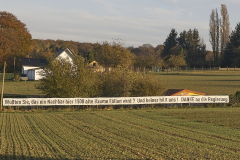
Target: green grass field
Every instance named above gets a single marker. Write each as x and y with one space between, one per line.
209 82
21 88
204 133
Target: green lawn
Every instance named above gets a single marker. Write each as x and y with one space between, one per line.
209 82
206 133
27 88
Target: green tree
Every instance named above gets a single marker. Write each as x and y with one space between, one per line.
231 55
194 48
15 39
66 80
169 43
90 56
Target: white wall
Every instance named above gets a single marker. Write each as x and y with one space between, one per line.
31 74
65 55
38 73
26 68
34 74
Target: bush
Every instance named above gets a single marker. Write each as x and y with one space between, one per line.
146 85
17 78
7 76
116 83
66 80
126 83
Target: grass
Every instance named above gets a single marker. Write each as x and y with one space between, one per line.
21 88
124 134
209 82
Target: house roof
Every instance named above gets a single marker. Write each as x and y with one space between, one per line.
170 92
183 92
67 50
34 62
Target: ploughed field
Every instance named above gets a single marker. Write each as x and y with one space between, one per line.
200 133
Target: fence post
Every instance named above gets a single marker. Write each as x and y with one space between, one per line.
3 85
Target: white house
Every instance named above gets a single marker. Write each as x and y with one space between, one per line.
32 67
65 53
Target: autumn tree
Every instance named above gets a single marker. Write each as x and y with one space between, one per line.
177 57
147 57
15 39
114 55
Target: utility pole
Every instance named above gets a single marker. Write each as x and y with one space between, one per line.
3 86
14 64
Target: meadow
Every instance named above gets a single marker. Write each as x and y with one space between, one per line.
209 82
199 133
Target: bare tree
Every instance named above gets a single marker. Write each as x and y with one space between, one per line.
224 28
212 34
217 37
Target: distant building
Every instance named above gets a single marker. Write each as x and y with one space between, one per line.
182 92
94 66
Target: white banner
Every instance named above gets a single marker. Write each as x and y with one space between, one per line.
114 100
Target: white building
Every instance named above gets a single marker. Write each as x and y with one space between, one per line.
32 67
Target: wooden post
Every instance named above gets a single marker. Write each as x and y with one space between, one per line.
3 86
14 64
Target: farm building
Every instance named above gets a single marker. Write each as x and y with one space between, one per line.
32 67
96 67
182 92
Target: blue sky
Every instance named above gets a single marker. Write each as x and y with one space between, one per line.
137 22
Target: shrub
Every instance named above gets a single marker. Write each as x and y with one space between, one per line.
146 85
17 78
126 83
66 80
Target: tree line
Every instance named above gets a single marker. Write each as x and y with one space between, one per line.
184 49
